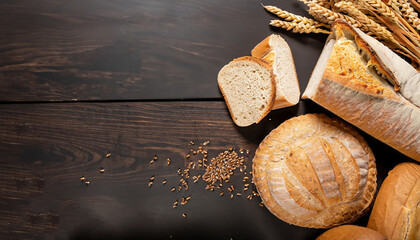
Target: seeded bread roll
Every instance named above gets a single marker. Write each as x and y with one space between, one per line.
313 171
276 51
354 81
248 86
396 212
350 232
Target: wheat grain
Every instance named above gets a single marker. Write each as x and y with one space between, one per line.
378 30
325 3
290 17
381 8
327 16
374 27
404 8
298 27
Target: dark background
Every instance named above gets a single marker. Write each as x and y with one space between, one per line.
133 78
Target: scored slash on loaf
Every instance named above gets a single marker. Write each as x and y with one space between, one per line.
253 86
313 171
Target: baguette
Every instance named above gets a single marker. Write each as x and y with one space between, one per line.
351 80
276 51
248 87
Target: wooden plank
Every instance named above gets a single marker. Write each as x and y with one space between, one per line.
46 148
54 50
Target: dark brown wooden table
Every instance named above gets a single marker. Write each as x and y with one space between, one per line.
90 84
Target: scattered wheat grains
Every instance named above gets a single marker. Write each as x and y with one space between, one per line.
220 168
101 170
108 155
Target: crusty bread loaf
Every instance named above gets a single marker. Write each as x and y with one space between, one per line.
345 81
350 232
313 171
248 86
396 212
275 50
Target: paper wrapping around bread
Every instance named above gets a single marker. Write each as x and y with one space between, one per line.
352 81
313 171
396 212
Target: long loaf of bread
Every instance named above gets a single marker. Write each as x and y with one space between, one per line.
357 78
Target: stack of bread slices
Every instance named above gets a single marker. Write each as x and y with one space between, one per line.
254 85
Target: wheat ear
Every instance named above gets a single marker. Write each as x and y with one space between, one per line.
298 27
374 27
327 16
404 8
290 17
380 32
381 8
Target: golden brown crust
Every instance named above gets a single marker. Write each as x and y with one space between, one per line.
341 25
273 86
383 114
350 232
296 171
393 122
262 48
396 210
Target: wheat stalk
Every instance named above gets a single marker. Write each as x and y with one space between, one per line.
290 17
394 22
403 7
381 8
327 16
374 27
379 31
329 4
298 27
415 4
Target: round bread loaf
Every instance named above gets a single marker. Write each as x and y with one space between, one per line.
313 171
396 212
350 232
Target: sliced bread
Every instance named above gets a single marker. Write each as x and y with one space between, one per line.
248 87
276 51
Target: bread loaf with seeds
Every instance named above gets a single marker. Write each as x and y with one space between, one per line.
314 171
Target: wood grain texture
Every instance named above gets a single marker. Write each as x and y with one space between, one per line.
46 148
132 49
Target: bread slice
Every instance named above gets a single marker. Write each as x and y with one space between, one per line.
396 212
351 80
248 86
276 51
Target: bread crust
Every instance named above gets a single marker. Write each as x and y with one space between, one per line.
396 212
270 103
319 209
385 115
350 232
341 25
394 122
260 51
